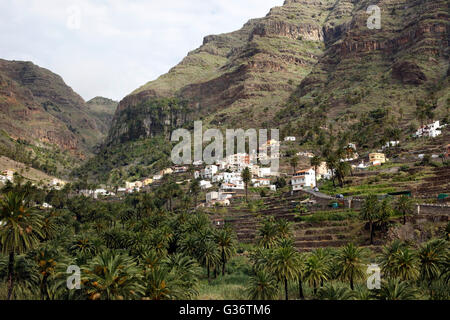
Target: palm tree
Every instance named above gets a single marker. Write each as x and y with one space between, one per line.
316 270
386 211
370 212
268 234
246 177
301 274
387 258
342 170
406 264
316 161
182 272
350 264
210 256
262 286
46 266
335 293
284 264
227 246
283 227
112 276
405 206
19 230
294 163
433 256
195 189
332 163
396 290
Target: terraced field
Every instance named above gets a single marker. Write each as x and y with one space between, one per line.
309 236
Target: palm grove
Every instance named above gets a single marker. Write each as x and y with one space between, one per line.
156 246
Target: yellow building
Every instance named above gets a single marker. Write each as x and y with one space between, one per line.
377 158
166 171
148 181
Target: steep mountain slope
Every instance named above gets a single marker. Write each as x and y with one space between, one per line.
310 67
382 73
37 106
102 110
237 78
303 54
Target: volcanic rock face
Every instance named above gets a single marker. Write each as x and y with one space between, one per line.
408 73
257 66
36 105
305 50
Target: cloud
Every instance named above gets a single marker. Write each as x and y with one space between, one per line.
111 47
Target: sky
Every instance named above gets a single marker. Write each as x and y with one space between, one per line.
111 47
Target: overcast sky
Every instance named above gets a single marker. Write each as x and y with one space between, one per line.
111 47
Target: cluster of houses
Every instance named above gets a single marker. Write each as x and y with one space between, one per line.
8 175
431 130
136 186
228 174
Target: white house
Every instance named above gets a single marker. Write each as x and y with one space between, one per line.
209 171
217 196
211 196
205 184
323 172
304 179
429 130
102 192
232 186
157 177
290 139
133 185
261 182
273 187
391 144
264 172
228 177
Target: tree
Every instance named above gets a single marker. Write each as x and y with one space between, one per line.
284 264
404 206
350 264
195 190
432 257
227 246
268 234
262 286
294 163
396 290
370 212
112 276
246 177
334 293
316 270
19 230
342 170
332 163
316 162
210 257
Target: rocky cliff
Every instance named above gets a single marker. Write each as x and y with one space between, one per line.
303 54
37 106
237 78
